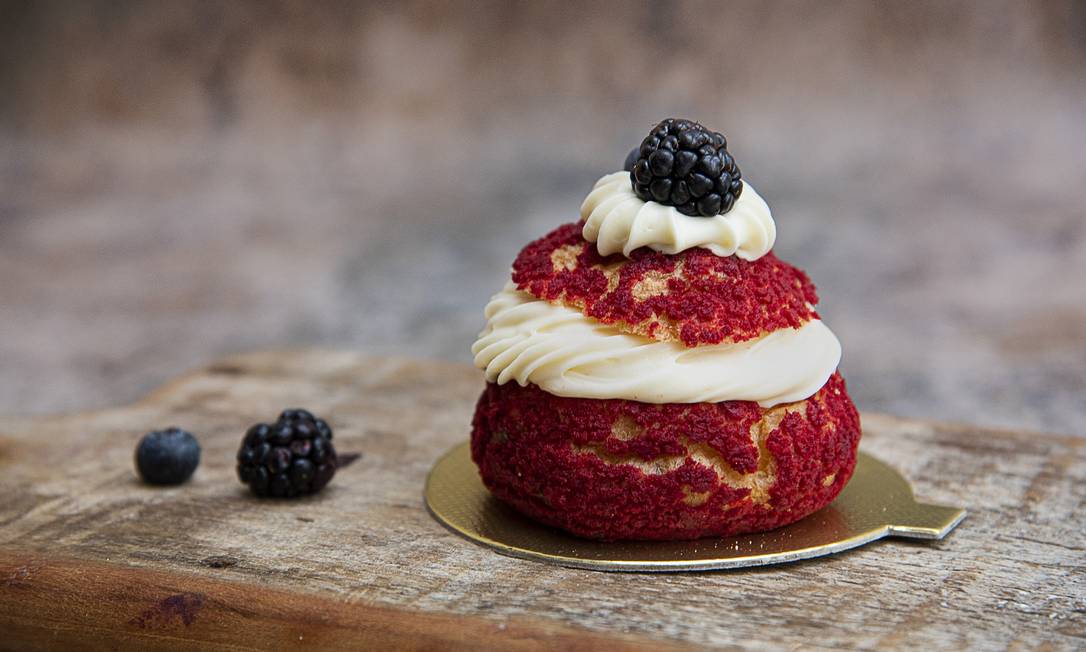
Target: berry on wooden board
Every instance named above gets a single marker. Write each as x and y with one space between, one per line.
292 457
167 457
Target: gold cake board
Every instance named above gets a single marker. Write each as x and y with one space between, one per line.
877 502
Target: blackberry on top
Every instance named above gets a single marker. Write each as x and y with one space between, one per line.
683 164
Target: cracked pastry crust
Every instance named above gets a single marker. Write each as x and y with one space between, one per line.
694 297
617 469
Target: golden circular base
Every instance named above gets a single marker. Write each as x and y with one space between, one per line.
877 502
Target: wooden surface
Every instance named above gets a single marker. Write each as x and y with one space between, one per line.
91 558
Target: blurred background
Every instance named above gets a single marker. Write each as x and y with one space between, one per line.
184 180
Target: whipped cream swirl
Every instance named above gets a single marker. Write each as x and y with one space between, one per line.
617 220
568 354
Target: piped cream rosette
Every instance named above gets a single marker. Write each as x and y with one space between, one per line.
617 220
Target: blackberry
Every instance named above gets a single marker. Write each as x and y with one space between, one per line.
167 456
292 457
683 164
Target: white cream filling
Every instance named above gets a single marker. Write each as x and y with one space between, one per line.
568 354
617 220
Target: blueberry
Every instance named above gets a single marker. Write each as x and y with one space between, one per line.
167 457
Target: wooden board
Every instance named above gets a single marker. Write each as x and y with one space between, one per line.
90 558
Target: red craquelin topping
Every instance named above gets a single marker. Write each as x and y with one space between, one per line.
695 296
616 469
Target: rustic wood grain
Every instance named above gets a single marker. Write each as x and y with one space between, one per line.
92 605
90 558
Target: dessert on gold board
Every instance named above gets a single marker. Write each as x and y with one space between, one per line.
654 371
